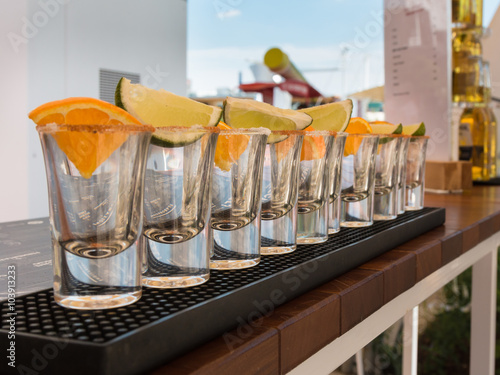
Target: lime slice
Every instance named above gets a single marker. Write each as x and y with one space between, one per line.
161 108
415 129
248 113
331 116
386 128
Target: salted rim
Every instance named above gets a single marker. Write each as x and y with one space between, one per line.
188 129
394 135
419 136
368 135
246 131
132 128
316 133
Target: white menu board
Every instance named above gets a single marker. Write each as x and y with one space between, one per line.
418 70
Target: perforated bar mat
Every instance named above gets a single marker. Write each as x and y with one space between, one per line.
164 323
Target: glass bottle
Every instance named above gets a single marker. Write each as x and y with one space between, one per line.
492 120
467 13
477 13
478 132
477 140
466 66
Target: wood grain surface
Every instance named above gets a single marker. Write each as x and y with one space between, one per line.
298 329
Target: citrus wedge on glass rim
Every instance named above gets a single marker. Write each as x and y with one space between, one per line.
86 150
229 148
161 108
357 125
249 113
313 147
332 116
414 129
384 127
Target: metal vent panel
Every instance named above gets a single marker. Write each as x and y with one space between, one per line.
108 79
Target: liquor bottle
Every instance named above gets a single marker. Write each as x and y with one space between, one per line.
477 139
477 13
491 118
466 66
494 140
467 13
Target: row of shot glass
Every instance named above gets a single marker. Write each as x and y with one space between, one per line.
163 216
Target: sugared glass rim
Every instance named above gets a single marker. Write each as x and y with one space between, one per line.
367 135
394 135
420 136
132 128
188 129
245 131
304 132
288 132
316 133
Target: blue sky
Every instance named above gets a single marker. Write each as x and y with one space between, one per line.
226 36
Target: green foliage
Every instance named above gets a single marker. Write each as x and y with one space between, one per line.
444 345
388 355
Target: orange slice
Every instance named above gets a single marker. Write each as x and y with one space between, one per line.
229 148
313 147
357 125
86 150
283 148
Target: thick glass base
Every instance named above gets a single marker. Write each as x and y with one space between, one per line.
311 240
384 217
276 250
333 230
357 213
175 282
356 224
97 302
412 208
233 264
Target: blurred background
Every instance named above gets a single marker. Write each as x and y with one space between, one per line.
209 49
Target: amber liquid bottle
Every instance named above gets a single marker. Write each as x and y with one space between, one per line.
477 139
467 13
466 66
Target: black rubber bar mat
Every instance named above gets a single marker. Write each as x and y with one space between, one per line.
490 182
164 324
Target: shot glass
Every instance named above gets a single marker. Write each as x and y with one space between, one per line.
335 184
314 186
236 198
95 177
280 192
177 207
415 173
402 156
386 177
358 180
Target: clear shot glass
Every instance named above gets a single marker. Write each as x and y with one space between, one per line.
415 173
177 207
314 186
280 192
402 157
335 184
95 177
358 180
385 202
236 198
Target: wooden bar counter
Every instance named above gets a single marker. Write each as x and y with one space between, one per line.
319 330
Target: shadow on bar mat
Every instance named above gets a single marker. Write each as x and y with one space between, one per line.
164 324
